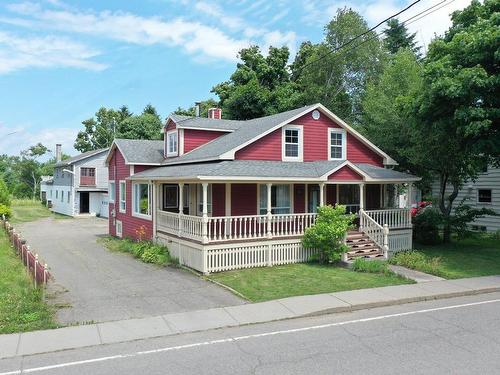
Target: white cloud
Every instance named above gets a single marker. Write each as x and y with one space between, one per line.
193 37
375 11
24 137
219 16
278 38
18 52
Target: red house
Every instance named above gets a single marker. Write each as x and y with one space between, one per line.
226 194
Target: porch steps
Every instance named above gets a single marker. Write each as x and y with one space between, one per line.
361 246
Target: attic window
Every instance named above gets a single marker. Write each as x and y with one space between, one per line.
337 144
292 143
172 141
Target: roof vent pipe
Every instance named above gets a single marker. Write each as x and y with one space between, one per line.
197 109
58 153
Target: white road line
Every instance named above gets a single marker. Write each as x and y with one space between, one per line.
240 338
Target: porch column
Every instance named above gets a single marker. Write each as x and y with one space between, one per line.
409 195
361 196
321 194
269 211
181 206
154 209
228 199
205 212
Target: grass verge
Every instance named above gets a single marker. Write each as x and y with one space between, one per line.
267 283
471 257
146 251
26 210
22 307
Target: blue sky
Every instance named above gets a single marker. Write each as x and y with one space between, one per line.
62 60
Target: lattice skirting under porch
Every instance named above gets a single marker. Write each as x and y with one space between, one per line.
225 257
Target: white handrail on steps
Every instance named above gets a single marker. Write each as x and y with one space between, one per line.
376 232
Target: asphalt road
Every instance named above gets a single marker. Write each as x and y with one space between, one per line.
453 336
94 284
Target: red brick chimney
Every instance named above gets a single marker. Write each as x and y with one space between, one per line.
215 113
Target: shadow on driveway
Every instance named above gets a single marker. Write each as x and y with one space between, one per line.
94 284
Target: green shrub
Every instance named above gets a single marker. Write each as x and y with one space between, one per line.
496 235
4 210
155 254
426 226
370 266
328 233
418 261
4 194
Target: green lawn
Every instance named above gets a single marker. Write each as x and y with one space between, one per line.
25 210
467 258
267 283
21 306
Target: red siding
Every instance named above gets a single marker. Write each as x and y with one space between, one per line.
266 148
243 199
331 194
299 198
170 126
117 171
315 144
219 200
195 138
345 173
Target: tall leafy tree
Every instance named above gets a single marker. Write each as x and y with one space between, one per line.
27 169
459 106
338 78
259 86
108 124
388 114
397 37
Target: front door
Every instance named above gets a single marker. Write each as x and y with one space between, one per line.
171 198
313 198
84 202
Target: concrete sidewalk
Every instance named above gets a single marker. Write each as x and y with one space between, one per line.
29 343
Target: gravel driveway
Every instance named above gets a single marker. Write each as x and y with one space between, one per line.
94 284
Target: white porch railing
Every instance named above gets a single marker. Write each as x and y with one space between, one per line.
230 228
393 217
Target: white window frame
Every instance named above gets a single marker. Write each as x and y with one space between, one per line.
176 151
135 208
124 209
344 143
300 156
112 191
485 203
262 189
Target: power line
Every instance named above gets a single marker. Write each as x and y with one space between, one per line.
408 21
358 36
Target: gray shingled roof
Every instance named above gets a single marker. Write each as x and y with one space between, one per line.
384 173
246 131
141 151
203 122
82 156
264 169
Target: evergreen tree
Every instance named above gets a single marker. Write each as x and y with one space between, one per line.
397 36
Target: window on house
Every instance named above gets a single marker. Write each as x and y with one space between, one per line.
280 199
141 203
170 197
62 195
123 195
57 194
112 191
199 189
69 195
484 195
292 143
337 144
87 172
172 143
